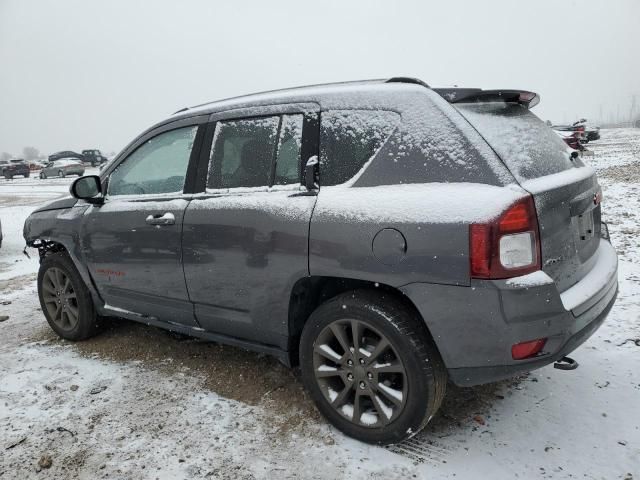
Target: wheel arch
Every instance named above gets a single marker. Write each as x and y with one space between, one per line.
48 246
310 292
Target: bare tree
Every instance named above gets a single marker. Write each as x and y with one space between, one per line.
30 153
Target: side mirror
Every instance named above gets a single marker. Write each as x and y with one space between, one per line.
87 188
310 170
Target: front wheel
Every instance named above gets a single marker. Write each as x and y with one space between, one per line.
371 366
8 176
43 175
61 173
65 299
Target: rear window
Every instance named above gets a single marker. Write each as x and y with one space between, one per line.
527 146
350 138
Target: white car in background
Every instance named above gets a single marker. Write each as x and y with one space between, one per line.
62 168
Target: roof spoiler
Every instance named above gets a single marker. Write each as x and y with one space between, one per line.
473 95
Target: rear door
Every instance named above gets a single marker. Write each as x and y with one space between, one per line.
245 239
133 241
565 190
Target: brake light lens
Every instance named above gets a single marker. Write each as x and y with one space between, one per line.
523 350
507 247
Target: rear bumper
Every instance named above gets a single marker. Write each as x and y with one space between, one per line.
474 327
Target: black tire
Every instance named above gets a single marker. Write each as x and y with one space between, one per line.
27 175
8 176
424 371
61 173
86 324
43 175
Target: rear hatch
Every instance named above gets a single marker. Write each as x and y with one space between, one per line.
565 190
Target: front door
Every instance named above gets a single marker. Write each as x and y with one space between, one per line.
133 241
245 240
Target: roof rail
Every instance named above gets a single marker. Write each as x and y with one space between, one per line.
181 110
415 81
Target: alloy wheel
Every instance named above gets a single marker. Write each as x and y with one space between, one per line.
360 373
60 298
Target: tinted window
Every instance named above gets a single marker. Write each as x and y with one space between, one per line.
528 147
158 166
288 159
242 153
349 138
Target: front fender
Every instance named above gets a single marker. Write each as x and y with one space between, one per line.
54 230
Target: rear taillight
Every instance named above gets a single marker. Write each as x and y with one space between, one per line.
508 246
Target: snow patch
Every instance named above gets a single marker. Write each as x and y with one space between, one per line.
415 203
534 279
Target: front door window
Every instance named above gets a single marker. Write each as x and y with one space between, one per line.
158 166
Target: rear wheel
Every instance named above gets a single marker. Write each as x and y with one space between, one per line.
61 173
43 175
65 299
371 367
26 175
8 176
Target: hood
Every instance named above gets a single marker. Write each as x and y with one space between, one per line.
64 202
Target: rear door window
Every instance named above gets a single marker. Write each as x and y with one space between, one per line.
242 153
527 146
349 139
289 148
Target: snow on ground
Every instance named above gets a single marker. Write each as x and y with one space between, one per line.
137 402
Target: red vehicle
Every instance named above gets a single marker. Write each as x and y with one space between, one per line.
573 139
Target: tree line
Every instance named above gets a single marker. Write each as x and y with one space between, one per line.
28 154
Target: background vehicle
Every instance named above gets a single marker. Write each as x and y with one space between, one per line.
37 164
15 167
584 131
65 154
62 168
94 157
385 250
572 139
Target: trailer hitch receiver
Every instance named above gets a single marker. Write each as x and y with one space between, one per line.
566 363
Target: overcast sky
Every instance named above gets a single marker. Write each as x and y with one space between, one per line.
80 74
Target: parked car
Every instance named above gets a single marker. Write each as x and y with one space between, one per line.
572 139
385 236
15 167
37 164
586 131
62 168
94 157
65 154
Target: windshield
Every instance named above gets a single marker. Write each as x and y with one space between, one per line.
527 146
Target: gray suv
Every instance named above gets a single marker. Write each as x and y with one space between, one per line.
384 236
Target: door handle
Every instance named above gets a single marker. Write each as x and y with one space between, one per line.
166 219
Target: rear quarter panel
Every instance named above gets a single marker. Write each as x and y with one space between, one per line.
433 218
